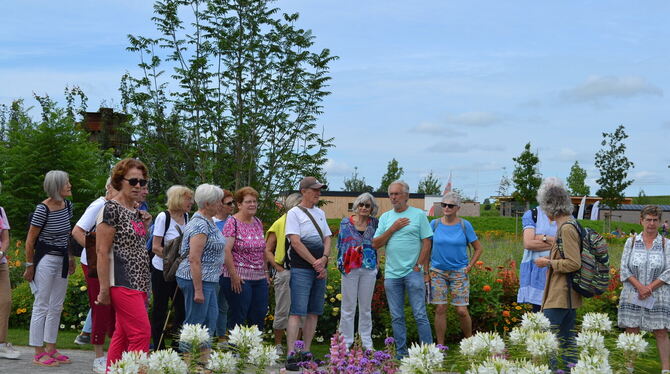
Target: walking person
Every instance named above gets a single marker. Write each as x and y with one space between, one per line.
245 273
406 233
6 348
560 301
276 245
358 262
168 225
123 261
309 235
450 266
102 316
645 273
48 265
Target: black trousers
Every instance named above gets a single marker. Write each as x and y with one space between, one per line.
163 292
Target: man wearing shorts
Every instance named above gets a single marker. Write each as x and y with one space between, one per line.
405 232
449 265
308 232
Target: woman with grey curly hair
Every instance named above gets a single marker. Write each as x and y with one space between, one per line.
359 265
560 301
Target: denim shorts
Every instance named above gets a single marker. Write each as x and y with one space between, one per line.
307 292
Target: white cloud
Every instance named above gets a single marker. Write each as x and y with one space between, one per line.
451 147
431 128
597 87
475 119
333 167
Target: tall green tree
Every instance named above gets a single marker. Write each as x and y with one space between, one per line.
229 92
393 173
577 181
613 165
356 183
30 148
430 185
526 176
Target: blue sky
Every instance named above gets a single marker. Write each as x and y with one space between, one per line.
440 85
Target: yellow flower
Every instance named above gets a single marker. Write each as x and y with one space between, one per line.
18 263
82 288
339 296
336 310
329 287
517 307
271 317
332 299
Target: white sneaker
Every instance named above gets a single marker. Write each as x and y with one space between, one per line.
7 351
100 365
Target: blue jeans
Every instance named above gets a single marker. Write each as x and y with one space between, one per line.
248 307
222 320
563 324
88 325
206 313
307 292
395 295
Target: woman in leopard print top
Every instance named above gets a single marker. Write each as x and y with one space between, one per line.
123 262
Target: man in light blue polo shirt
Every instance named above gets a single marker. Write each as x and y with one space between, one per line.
406 233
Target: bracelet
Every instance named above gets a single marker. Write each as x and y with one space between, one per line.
27 264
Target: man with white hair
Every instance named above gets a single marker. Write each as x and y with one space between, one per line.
406 233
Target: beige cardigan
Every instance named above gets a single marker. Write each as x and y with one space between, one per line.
556 288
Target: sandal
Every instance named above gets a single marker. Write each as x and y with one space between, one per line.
60 358
37 360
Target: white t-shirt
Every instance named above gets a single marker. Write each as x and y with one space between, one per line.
159 230
297 222
4 225
88 221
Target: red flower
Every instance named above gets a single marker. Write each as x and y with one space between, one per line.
486 288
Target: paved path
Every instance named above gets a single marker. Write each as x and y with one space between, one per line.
82 362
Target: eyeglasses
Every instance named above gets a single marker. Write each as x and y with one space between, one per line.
230 203
134 181
364 205
450 206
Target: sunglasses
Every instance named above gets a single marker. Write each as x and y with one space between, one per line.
364 205
230 203
450 206
134 181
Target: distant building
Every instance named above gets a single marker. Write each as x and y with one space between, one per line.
105 127
509 206
629 213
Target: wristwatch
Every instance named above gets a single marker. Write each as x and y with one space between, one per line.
544 238
2 254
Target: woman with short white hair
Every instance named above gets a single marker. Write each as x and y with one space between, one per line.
48 265
203 248
358 262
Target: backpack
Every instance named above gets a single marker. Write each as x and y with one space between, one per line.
592 278
171 258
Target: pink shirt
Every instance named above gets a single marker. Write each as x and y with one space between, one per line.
249 248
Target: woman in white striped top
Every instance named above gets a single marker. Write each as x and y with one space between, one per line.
48 266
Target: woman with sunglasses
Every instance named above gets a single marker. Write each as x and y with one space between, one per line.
222 215
245 274
359 264
449 265
123 261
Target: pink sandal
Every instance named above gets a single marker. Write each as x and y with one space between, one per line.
37 360
60 358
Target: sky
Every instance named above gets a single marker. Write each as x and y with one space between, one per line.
452 87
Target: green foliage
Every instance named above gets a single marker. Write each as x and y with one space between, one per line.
504 185
356 183
526 176
577 181
642 198
393 173
658 200
29 149
229 92
613 165
430 185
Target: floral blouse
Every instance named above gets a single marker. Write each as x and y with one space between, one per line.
354 250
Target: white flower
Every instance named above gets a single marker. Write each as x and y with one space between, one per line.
541 343
591 342
194 334
596 322
132 362
489 342
531 368
263 356
495 365
631 343
319 339
592 364
518 335
535 321
166 362
245 337
422 358
222 362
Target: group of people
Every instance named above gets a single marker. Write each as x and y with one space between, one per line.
227 263
553 245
